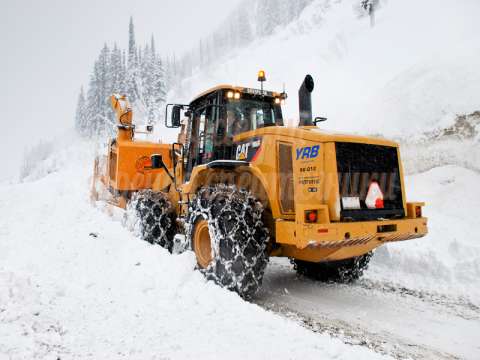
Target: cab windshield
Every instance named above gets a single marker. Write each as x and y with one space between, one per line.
252 112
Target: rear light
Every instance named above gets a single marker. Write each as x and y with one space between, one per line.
379 204
311 216
418 211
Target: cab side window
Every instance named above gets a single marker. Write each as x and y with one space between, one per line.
207 123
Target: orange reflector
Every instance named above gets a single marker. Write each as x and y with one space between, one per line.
322 231
311 216
418 211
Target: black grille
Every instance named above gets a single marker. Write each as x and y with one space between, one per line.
360 164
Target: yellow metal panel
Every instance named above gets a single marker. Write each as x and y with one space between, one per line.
285 232
311 242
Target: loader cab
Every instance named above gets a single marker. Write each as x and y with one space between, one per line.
219 115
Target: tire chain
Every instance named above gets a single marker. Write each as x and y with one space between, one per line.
343 271
151 216
239 238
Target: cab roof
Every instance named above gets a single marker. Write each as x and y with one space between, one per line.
241 89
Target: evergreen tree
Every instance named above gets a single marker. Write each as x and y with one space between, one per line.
81 119
370 6
98 93
243 26
159 88
123 79
266 22
132 65
138 73
170 71
132 47
94 109
114 83
157 85
145 81
115 70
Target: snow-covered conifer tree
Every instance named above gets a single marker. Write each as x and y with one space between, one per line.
265 17
81 113
132 65
370 6
98 94
243 22
138 73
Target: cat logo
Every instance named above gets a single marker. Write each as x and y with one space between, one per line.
142 163
242 151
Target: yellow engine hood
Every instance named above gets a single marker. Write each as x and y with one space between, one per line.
313 133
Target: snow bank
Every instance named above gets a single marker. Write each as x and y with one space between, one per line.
412 72
48 156
447 260
75 284
425 155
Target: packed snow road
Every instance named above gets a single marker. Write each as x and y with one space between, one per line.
401 322
419 298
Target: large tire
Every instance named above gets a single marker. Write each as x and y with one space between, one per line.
342 271
152 217
237 235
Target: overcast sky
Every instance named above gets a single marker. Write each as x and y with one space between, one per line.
48 48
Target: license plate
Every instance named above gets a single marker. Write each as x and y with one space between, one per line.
351 203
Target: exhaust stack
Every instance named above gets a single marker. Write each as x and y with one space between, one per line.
305 101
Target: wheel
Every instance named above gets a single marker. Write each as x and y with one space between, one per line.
227 234
342 271
202 244
151 215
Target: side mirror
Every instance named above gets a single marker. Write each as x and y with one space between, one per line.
319 119
173 121
176 110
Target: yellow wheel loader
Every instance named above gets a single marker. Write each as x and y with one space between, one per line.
239 187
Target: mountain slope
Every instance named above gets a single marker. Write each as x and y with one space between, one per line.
412 72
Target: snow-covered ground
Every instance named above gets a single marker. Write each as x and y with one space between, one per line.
75 284
389 318
448 259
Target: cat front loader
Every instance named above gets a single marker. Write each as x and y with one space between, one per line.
239 187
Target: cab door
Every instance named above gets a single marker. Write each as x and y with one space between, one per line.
202 141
